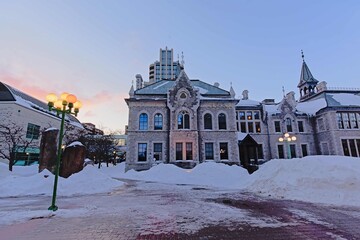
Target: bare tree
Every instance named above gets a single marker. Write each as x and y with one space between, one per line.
100 147
13 140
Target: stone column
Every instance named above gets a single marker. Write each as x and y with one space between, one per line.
48 148
72 160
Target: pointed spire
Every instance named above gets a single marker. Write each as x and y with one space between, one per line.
306 76
232 92
302 55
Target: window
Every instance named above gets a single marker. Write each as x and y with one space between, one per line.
224 151
292 151
301 126
207 121
250 127
243 127
281 151
143 121
142 149
256 115
183 120
351 147
158 121
242 115
158 151
288 125
189 155
183 95
249 115
345 147
209 151
179 155
304 150
222 121
257 127
277 126
33 131
348 120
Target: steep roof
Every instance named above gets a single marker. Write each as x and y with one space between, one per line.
306 76
162 87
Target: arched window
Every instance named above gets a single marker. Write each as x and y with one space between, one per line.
143 121
222 121
288 125
158 121
207 121
183 120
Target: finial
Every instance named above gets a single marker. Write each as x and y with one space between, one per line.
182 58
283 90
178 58
132 82
302 55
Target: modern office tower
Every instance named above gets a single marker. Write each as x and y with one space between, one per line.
166 68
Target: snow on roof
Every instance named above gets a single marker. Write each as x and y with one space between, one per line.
248 102
346 99
241 136
312 106
272 108
76 143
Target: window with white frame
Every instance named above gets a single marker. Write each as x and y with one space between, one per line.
143 121
249 121
142 150
33 131
348 120
209 151
158 121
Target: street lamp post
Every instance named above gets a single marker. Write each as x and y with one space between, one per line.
287 138
66 104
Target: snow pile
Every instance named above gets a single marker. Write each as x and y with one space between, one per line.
207 174
319 179
88 181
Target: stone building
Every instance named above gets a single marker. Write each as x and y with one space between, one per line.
187 122
181 121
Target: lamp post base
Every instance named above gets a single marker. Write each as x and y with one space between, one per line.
53 208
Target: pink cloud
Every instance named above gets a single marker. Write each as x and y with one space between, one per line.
23 85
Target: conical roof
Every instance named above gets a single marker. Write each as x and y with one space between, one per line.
306 76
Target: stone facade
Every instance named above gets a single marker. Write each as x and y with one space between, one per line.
182 134
322 122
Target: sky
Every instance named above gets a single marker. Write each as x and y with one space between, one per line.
94 49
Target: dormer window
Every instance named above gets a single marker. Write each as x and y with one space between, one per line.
183 95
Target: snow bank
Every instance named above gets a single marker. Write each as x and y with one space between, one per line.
88 181
207 174
319 179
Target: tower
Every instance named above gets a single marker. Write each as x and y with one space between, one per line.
166 68
307 84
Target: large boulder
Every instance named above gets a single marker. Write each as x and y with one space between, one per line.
72 159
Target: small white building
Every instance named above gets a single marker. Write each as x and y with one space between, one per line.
32 115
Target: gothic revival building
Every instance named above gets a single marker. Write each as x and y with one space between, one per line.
187 122
183 121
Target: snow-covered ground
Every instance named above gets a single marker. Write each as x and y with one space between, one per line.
319 179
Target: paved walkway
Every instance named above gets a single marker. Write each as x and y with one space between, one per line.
167 215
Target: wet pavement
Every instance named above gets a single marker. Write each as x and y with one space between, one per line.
145 210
